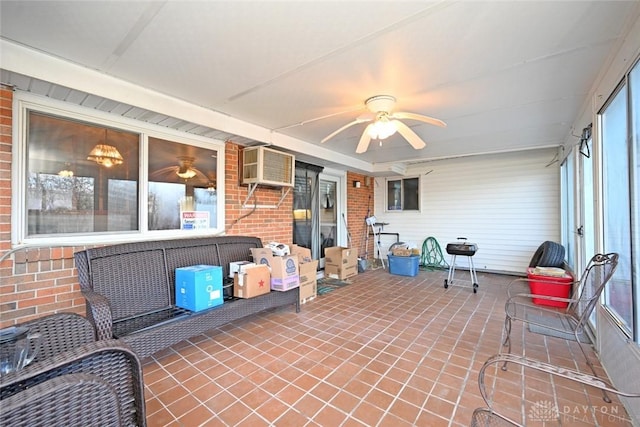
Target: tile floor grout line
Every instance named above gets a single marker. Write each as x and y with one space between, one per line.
380 335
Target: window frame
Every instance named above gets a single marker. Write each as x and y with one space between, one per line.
624 86
23 103
402 195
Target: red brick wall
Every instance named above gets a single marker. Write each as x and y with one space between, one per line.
359 201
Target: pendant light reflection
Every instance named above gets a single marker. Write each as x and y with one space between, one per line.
105 155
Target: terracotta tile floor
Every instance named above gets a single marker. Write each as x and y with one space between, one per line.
385 350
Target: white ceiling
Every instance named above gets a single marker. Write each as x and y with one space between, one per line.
504 76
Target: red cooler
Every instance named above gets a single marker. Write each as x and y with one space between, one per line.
561 287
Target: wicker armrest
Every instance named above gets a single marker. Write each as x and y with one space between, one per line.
68 400
111 360
99 314
60 332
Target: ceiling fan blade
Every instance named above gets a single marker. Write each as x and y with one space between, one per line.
364 140
420 117
355 122
409 135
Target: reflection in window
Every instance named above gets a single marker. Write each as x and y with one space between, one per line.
403 194
66 191
182 186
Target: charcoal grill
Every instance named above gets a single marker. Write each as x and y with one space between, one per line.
462 248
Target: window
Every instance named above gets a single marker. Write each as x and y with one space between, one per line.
567 171
66 192
620 167
182 195
84 176
403 194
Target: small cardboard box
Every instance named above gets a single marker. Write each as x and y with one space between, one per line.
262 255
253 281
238 267
340 272
304 254
284 269
284 273
199 287
339 256
400 251
308 280
340 263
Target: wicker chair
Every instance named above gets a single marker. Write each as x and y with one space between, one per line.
74 380
60 332
571 322
489 417
99 383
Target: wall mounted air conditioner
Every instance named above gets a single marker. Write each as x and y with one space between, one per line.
262 165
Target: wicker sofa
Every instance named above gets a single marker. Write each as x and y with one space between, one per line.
129 289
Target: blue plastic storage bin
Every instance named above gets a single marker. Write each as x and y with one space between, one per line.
404 265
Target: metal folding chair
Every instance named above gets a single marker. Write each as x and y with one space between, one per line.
571 322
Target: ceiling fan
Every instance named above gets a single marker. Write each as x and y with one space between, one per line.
385 123
183 170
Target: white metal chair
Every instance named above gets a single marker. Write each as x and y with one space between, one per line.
489 417
571 322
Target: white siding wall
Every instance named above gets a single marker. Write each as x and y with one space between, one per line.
507 204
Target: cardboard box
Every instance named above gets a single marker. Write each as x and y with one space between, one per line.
199 287
304 254
341 272
340 263
284 273
261 255
339 256
238 267
253 281
399 251
308 280
284 269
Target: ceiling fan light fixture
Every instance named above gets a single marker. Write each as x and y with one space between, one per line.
382 128
105 155
384 122
186 173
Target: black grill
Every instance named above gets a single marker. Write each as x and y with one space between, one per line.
458 248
